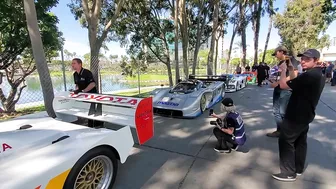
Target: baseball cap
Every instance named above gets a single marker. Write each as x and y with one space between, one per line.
280 48
311 53
227 102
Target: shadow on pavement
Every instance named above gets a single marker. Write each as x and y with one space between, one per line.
181 153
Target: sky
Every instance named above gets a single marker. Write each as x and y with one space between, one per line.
76 37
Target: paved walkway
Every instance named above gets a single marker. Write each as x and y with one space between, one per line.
181 154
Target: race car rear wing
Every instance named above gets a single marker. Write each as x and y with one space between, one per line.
119 110
209 77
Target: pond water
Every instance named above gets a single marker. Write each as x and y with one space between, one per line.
33 92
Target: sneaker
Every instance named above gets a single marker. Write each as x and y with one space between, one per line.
285 178
221 150
235 148
299 174
275 134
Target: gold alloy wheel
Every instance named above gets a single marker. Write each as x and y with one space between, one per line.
96 174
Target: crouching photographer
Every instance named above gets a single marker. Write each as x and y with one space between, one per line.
229 130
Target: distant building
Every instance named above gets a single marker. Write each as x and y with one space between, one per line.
329 53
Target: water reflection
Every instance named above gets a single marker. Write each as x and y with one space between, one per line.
32 93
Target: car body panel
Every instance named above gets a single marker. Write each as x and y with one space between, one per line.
185 103
235 82
41 154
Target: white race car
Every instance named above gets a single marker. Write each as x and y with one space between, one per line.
47 153
235 82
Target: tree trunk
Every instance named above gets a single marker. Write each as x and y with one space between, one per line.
213 40
200 29
8 103
94 66
230 48
177 66
267 37
256 29
184 34
38 52
170 75
216 55
243 31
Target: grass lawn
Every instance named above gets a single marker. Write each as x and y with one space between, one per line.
21 112
143 93
148 77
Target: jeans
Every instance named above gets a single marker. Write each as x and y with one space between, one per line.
280 101
292 147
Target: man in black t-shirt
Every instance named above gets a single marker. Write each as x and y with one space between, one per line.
84 84
83 78
306 92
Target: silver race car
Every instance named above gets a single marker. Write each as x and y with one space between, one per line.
235 82
189 98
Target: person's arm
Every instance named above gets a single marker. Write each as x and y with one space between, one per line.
229 130
91 81
89 87
218 116
283 79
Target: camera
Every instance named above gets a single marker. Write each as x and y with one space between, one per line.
211 111
217 122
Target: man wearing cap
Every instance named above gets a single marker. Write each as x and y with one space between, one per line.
306 91
280 96
231 134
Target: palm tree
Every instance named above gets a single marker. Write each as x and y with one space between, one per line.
39 56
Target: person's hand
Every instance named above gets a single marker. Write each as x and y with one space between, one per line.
283 67
77 91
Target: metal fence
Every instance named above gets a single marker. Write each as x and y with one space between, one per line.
20 86
21 89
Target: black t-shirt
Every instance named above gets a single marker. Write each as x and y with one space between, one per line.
306 92
261 71
83 79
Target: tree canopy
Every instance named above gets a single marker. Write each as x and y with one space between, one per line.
303 24
14 38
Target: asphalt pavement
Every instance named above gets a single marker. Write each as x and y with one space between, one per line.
181 155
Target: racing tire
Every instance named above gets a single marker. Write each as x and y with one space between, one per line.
203 103
223 91
97 168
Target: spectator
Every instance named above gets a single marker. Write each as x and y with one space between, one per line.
261 74
333 80
280 96
231 134
254 67
328 71
238 69
300 112
247 68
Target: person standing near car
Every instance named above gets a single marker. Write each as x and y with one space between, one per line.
280 96
300 112
84 83
83 78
